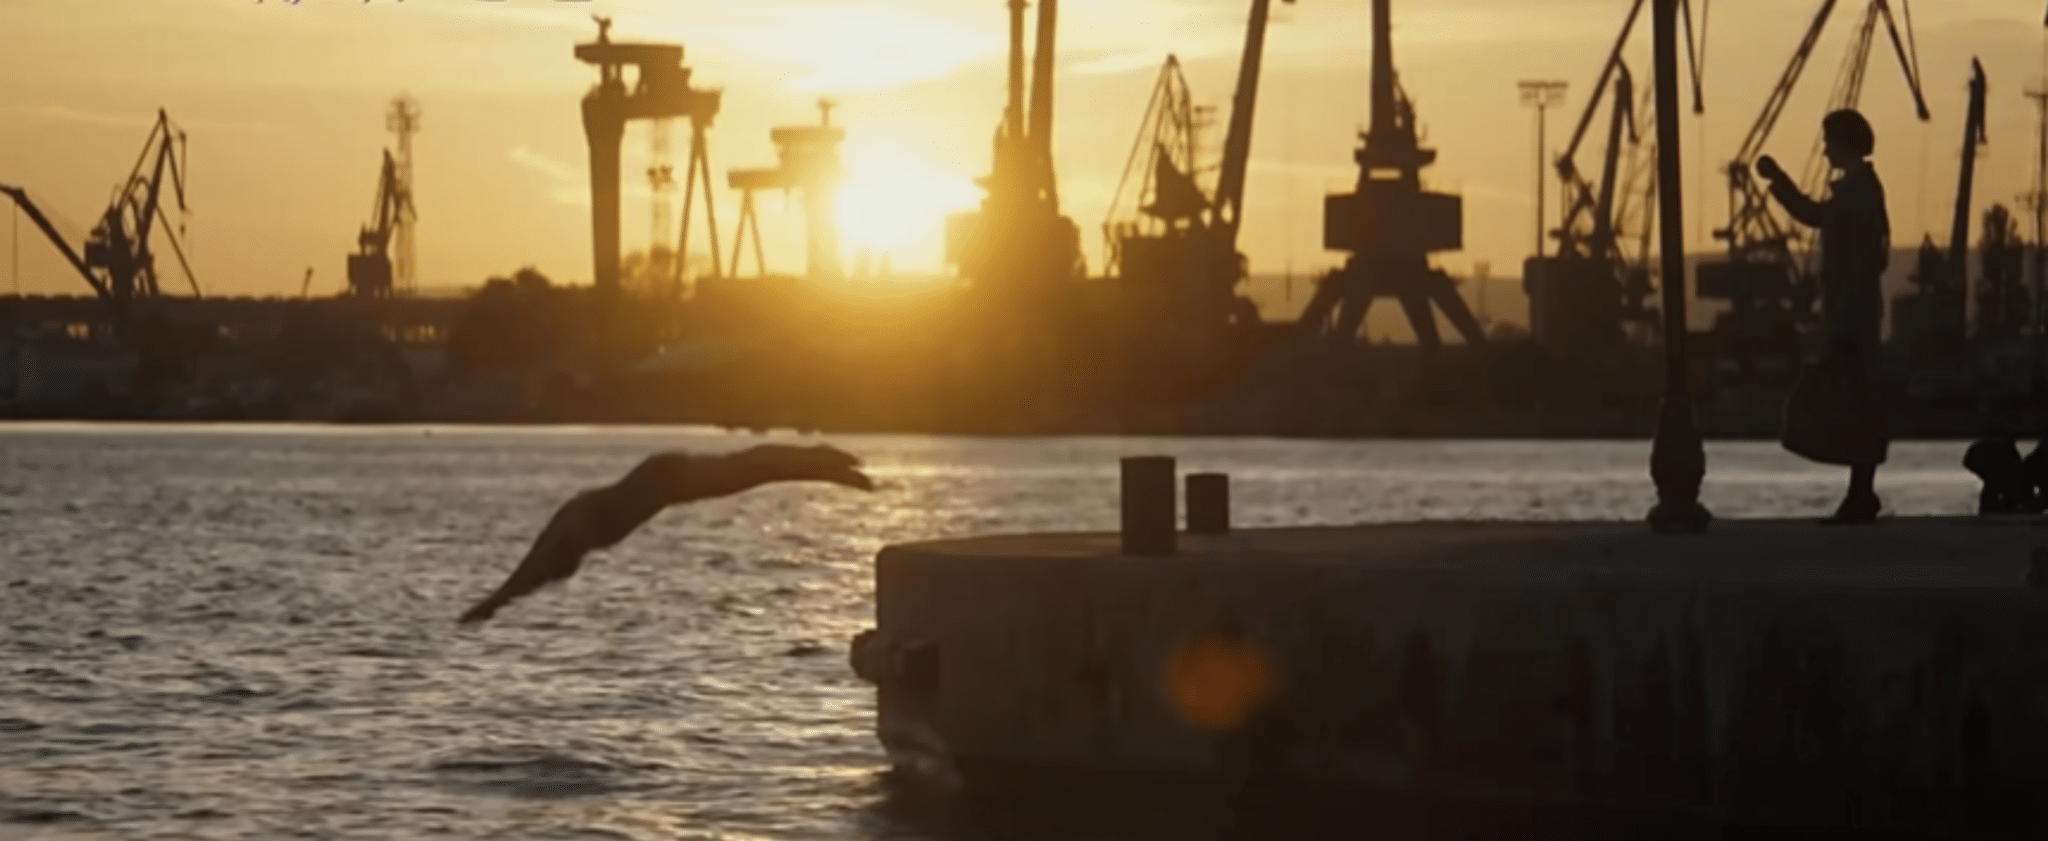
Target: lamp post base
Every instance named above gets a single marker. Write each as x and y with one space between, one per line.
1678 463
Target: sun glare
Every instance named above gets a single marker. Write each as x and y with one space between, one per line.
894 204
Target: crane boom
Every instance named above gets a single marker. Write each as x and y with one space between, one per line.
184 264
1760 132
1607 71
1623 118
169 143
1041 100
1237 142
1581 198
1851 92
71 255
1849 89
1973 137
377 235
1909 61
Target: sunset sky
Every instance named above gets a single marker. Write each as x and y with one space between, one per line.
284 104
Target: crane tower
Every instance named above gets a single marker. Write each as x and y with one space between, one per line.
661 183
661 89
1390 225
404 120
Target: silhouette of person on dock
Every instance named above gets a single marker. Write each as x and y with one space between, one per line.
1855 243
2012 485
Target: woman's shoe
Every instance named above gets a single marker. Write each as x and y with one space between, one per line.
1855 511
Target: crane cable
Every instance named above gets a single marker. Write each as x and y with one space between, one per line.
1912 40
1926 149
1287 189
1699 163
1700 69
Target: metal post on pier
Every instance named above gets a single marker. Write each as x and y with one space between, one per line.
1208 503
1150 505
1678 459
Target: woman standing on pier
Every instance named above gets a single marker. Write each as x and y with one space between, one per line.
1855 243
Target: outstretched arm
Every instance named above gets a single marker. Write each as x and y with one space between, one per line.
705 477
1788 194
554 556
602 517
1796 202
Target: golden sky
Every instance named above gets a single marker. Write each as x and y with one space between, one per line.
284 104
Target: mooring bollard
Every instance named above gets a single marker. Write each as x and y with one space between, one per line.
1208 503
1149 505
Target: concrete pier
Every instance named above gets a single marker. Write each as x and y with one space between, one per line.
1766 672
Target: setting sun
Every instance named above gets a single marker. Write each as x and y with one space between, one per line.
894 204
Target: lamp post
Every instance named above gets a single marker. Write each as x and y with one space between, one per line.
2037 201
1678 459
1541 94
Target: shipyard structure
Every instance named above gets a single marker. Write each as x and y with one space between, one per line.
1020 336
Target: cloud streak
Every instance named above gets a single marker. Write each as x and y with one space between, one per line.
45 113
803 44
567 184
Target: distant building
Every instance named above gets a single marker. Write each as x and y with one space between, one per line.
47 368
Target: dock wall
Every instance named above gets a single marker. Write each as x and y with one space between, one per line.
1891 677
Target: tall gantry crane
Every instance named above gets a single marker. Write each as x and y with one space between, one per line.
661 89
808 159
1770 288
1390 224
1183 244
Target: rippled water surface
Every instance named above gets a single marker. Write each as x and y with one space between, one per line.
247 632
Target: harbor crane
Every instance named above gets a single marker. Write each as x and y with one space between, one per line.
1182 247
369 269
1390 224
1931 321
1771 292
660 90
116 259
1596 286
1017 244
1966 176
808 159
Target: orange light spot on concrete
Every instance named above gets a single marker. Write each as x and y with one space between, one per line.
1216 684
